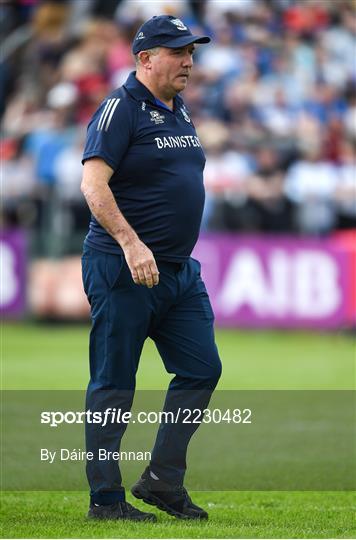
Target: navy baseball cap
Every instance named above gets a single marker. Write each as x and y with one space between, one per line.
165 31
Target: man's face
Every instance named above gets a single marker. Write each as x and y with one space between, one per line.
171 68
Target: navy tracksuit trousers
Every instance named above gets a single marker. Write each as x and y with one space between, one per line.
177 315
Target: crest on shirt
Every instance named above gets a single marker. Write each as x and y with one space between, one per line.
185 114
179 24
156 117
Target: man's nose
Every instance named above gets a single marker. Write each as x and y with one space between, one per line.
188 60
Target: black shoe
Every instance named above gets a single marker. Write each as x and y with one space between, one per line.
173 500
119 510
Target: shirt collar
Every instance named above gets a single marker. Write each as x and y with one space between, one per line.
161 104
140 92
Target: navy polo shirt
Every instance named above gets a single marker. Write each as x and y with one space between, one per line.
158 168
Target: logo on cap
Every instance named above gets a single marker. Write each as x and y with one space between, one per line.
179 24
140 36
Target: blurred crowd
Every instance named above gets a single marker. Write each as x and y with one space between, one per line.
273 99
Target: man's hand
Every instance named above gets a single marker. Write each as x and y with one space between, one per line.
142 264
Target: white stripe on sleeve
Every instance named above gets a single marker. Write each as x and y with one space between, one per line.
112 113
104 114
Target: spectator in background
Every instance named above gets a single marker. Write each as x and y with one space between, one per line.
324 102
223 58
267 209
345 192
45 144
21 194
310 184
279 117
18 178
225 175
216 10
89 55
300 52
339 43
43 53
141 10
280 76
34 66
239 109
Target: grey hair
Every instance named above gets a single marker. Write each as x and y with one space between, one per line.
152 51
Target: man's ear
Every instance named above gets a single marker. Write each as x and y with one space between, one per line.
145 59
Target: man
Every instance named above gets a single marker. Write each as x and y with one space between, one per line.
143 181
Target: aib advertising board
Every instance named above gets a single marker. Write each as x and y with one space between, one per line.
252 281
285 282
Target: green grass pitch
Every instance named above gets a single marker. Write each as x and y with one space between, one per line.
55 357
